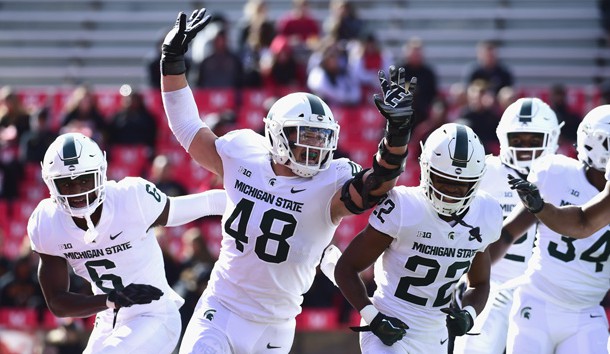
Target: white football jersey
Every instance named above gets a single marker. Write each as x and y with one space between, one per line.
416 275
125 251
274 229
495 182
569 272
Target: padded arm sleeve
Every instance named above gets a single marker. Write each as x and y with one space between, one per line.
185 209
182 115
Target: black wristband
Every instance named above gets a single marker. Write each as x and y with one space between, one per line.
390 158
396 138
173 65
537 210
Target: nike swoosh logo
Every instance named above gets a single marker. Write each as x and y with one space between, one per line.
269 346
443 341
292 190
595 316
115 236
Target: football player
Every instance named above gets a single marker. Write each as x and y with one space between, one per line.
286 197
422 240
103 231
556 309
527 130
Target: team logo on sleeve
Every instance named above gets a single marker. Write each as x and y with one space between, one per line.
209 314
526 312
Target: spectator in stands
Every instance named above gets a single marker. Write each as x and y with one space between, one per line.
365 58
256 32
196 269
481 116
34 143
19 287
161 174
281 68
221 68
134 123
415 64
505 97
203 44
82 115
300 27
489 68
332 80
457 100
343 24
558 101
14 122
14 117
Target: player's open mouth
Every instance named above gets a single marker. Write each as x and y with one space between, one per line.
78 202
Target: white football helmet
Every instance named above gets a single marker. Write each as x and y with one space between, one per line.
73 155
593 138
454 152
316 131
527 115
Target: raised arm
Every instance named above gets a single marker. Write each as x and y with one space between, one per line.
573 221
370 185
178 100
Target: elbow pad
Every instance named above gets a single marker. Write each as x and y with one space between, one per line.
362 188
185 209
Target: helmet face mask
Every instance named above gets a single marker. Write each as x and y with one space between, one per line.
74 170
302 133
452 165
527 115
593 138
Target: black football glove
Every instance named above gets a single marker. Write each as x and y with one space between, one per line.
134 294
528 192
459 322
176 42
396 105
388 329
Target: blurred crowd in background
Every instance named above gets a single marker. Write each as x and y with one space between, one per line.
337 60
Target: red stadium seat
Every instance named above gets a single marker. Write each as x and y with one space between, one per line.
18 318
128 160
215 100
318 319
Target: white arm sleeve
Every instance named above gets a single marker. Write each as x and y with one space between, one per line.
182 115
329 261
185 209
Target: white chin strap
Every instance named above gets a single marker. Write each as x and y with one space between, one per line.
91 232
